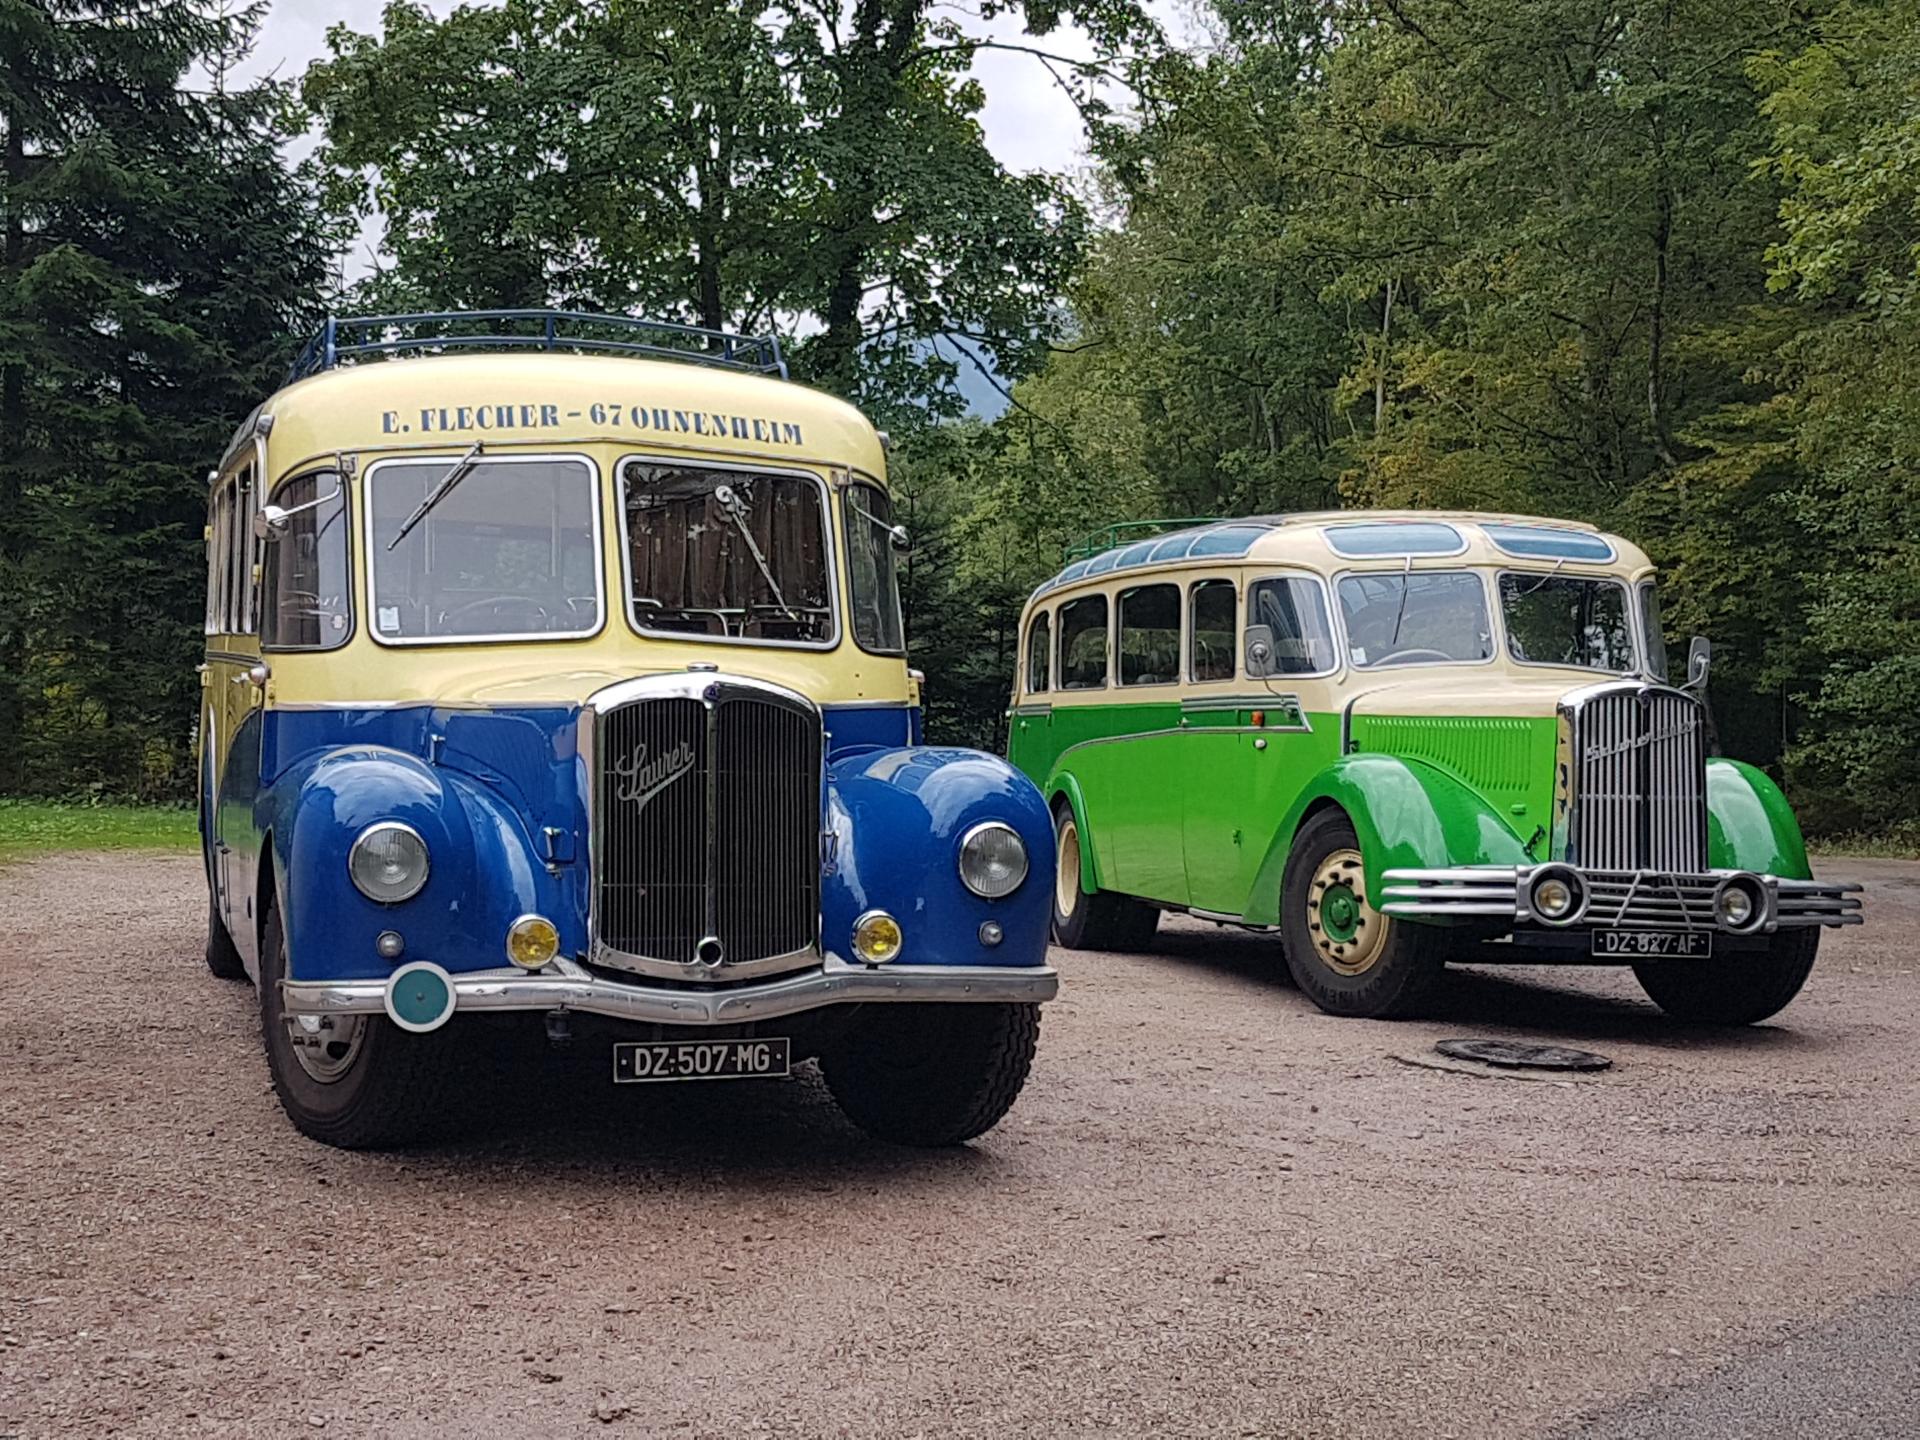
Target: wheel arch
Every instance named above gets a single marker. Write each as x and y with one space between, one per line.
1064 788
1407 815
1750 825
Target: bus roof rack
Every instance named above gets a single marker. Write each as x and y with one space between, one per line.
1097 542
352 336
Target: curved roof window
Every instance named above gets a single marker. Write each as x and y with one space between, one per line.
1371 541
1228 541
1542 542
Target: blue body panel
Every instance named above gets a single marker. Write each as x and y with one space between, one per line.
484 788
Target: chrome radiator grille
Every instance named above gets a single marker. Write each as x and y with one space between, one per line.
1639 782
706 830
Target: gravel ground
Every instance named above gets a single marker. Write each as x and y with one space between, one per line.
1214 1212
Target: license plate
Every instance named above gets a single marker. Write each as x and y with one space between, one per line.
1654 944
639 1062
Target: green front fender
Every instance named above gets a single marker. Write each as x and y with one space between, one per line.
1063 786
1750 826
1407 815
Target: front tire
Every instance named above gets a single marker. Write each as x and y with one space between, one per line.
358 1082
1348 957
1098 921
932 1075
1741 988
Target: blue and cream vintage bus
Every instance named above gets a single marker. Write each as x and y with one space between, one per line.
555 667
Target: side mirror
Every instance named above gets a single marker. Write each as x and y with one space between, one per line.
1699 663
901 541
270 521
1259 648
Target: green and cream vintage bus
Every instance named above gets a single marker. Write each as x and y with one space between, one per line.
1399 739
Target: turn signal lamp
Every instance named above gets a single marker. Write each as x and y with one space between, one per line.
877 937
532 941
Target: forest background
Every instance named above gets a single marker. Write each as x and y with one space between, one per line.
1650 264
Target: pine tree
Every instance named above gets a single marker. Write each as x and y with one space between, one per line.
157 258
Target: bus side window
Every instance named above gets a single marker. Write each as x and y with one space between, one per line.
1039 653
306 590
1210 618
1295 610
1083 643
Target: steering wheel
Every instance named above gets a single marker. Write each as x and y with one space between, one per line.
497 603
1417 651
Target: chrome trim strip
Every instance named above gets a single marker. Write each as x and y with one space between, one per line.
1639 899
565 985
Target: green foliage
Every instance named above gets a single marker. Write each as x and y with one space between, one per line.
157 253
754 166
1647 265
29 829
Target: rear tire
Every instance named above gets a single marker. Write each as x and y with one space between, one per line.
1349 958
223 956
1102 920
932 1075
1737 989
358 1082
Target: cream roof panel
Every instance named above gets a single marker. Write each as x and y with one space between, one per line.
521 398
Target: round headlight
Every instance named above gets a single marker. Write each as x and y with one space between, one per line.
388 862
1738 905
993 860
876 937
532 941
1555 896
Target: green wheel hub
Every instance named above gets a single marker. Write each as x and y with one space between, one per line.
1339 913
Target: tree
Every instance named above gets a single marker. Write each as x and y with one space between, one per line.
772 164
157 257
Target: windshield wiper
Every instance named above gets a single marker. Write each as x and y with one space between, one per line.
461 468
736 508
1406 588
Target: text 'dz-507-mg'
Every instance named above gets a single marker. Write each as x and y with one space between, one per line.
555 676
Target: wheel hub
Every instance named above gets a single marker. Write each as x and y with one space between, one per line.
326 1045
1348 933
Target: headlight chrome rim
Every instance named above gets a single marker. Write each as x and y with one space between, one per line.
1756 897
360 858
1569 878
995 832
871 920
533 927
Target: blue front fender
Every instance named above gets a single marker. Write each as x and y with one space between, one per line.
897 817
483 872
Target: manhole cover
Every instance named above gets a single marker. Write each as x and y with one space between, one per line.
1532 1057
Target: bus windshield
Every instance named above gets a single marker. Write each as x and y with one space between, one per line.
1567 620
512 550
1427 617
726 554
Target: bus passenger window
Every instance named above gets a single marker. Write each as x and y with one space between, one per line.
1150 635
1083 643
1295 611
1038 636
1211 618
305 593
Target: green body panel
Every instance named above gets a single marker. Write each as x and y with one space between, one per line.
1196 806
1407 813
1509 760
1749 824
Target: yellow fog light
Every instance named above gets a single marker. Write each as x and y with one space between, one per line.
876 937
532 941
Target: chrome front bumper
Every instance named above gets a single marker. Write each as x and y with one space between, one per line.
1636 899
564 985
